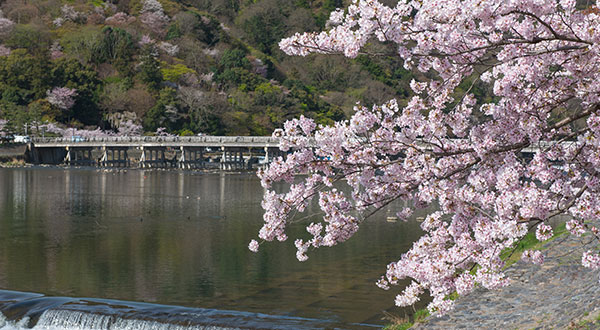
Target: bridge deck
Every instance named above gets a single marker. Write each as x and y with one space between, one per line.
202 141
153 141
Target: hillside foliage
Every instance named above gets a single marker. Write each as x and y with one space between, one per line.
202 66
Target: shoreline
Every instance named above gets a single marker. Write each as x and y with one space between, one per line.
559 294
122 169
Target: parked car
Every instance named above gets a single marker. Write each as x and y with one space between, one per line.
77 138
22 139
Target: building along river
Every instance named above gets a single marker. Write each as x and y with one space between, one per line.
176 238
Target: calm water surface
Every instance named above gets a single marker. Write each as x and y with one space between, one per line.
180 238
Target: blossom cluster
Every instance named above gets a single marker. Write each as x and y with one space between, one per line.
146 40
153 16
125 128
56 50
541 60
6 25
544 232
62 97
161 131
69 14
168 48
590 260
4 51
119 19
129 128
68 132
535 257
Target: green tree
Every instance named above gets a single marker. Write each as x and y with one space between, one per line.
149 69
234 58
16 115
164 112
33 37
41 110
72 74
264 24
24 77
174 72
84 44
116 48
267 94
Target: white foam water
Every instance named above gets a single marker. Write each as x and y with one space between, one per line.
9 325
153 325
25 311
77 320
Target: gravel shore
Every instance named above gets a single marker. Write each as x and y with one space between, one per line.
560 294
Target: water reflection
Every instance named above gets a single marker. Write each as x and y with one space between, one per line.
180 238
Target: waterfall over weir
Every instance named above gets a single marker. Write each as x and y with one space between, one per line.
21 311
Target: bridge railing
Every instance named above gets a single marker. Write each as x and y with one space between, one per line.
158 139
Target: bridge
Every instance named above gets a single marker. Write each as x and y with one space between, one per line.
187 152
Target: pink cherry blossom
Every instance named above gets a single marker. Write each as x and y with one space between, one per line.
146 40
4 51
590 260
62 97
535 257
153 16
119 18
253 246
129 128
541 61
168 48
543 232
6 25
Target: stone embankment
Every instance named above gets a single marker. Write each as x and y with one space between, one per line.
560 294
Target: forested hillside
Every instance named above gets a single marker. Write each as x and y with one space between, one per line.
182 67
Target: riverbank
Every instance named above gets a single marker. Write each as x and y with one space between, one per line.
560 294
13 155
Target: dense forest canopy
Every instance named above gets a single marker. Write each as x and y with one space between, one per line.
184 67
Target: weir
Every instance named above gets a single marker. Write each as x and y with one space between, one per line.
195 152
22 310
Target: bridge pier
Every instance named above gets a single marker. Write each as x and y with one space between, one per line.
79 156
114 157
153 157
272 154
232 159
191 157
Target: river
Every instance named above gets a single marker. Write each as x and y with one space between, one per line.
92 241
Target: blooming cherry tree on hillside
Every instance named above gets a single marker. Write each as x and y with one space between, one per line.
541 58
6 25
4 51
69 131
62 97
129 128
125 128
153 16
119 18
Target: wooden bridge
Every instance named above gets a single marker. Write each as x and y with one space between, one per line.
189 152
193 152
